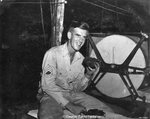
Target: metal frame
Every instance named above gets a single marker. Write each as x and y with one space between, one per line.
122 69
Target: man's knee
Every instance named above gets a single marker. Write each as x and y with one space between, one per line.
43 116
49 109
50 114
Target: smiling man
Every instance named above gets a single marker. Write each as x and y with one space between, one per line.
64 78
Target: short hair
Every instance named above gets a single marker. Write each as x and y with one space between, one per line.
81 25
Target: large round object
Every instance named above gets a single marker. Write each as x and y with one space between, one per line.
115 49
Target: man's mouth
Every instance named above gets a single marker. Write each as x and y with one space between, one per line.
79 43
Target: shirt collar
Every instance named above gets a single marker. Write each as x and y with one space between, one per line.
66 52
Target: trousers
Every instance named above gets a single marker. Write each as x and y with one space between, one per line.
49 108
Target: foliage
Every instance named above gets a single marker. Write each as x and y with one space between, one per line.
23 33
102 20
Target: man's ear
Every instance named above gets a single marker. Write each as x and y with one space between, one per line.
69 35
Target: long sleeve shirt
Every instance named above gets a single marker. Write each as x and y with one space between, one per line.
60 78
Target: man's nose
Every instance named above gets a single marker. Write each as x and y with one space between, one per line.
82 39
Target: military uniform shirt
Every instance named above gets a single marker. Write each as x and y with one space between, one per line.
60 78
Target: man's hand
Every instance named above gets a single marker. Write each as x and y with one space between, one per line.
75 109
90 71
91 66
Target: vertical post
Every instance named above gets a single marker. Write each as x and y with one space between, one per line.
57 17
0 61
1 106
59 21
149 51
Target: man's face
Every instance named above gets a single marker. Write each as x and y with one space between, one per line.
78 37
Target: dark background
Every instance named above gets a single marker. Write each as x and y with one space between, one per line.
23 41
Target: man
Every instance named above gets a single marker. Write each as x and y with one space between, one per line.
64 78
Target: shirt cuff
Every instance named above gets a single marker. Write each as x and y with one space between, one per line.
58 96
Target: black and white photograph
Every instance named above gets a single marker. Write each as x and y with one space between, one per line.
74 59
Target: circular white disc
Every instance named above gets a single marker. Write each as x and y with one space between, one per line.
115 49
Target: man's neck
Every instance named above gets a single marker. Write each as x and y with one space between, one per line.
71 57
71 52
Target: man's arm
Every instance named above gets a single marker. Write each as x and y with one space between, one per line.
89 75
48 78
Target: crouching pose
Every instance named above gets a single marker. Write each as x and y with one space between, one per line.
64 78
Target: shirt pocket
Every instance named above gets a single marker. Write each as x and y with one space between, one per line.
61 78
75 84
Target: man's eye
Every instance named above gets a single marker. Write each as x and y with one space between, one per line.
77 35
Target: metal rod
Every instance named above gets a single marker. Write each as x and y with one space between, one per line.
131 55
100 78
98 55
37 2
42 22
148 52
127 85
